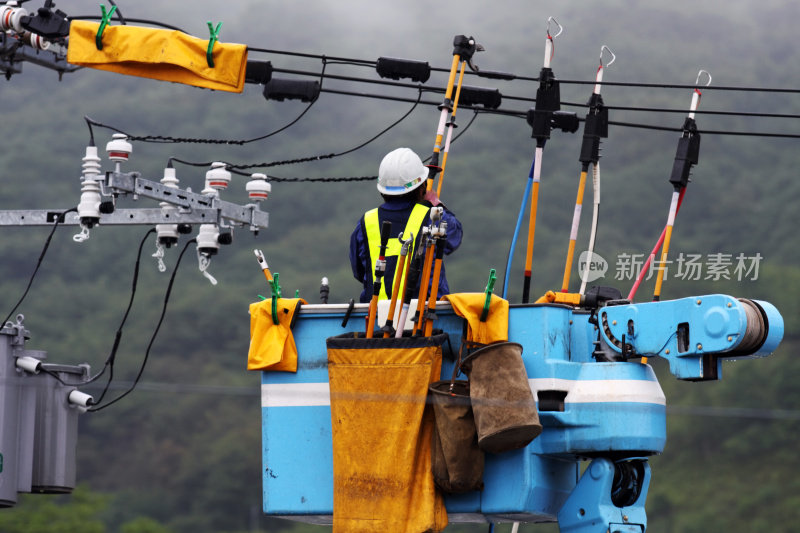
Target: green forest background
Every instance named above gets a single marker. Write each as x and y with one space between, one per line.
182 453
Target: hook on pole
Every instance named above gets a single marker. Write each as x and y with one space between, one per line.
559 26
603 49
700 75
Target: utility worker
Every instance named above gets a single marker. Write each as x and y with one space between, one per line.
401 182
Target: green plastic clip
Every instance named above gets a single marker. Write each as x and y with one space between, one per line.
489 290
276 294
211 41
105 19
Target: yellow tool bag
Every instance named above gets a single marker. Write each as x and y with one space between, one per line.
159 54
272 345
382 433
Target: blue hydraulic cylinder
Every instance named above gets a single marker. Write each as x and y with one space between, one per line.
609 497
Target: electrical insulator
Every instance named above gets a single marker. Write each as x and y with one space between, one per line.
168 233
218 177
10 16
89 206
37 41
119 149
258 188
208 239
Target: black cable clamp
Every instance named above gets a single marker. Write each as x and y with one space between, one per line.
687 154
594 129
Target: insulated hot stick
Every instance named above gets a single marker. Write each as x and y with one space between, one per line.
653 252
463 49
380 269
413 265
399 279
686 156
433 231
542 119
430 313
595 128
451 125
427 262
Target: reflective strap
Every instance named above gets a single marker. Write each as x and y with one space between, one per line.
373 234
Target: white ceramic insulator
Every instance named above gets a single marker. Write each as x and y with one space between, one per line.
119 149
89 207
207 238
168 231
80 399
29 364
218 177
258 188
37 41
91 164
10 16
170 179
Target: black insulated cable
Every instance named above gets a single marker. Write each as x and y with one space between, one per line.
155 333
58 220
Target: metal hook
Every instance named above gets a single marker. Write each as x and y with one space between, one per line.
605 48
700 75
560 27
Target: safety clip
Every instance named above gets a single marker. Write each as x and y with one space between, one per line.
276 294
489 290
214 35
104 20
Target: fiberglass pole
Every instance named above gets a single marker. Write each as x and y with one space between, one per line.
542 119
595 128
463 48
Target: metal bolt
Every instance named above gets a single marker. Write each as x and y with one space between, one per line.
614 322
730 304
666 351
699 346
699 301
624 518
730 338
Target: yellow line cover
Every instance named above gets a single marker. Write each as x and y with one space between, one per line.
159 54
382 434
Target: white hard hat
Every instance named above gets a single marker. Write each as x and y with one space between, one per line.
401 171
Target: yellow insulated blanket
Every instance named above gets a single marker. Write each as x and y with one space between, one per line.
272 345
469 306
382 434
167 55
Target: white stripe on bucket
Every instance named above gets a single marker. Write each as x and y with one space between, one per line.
578 391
